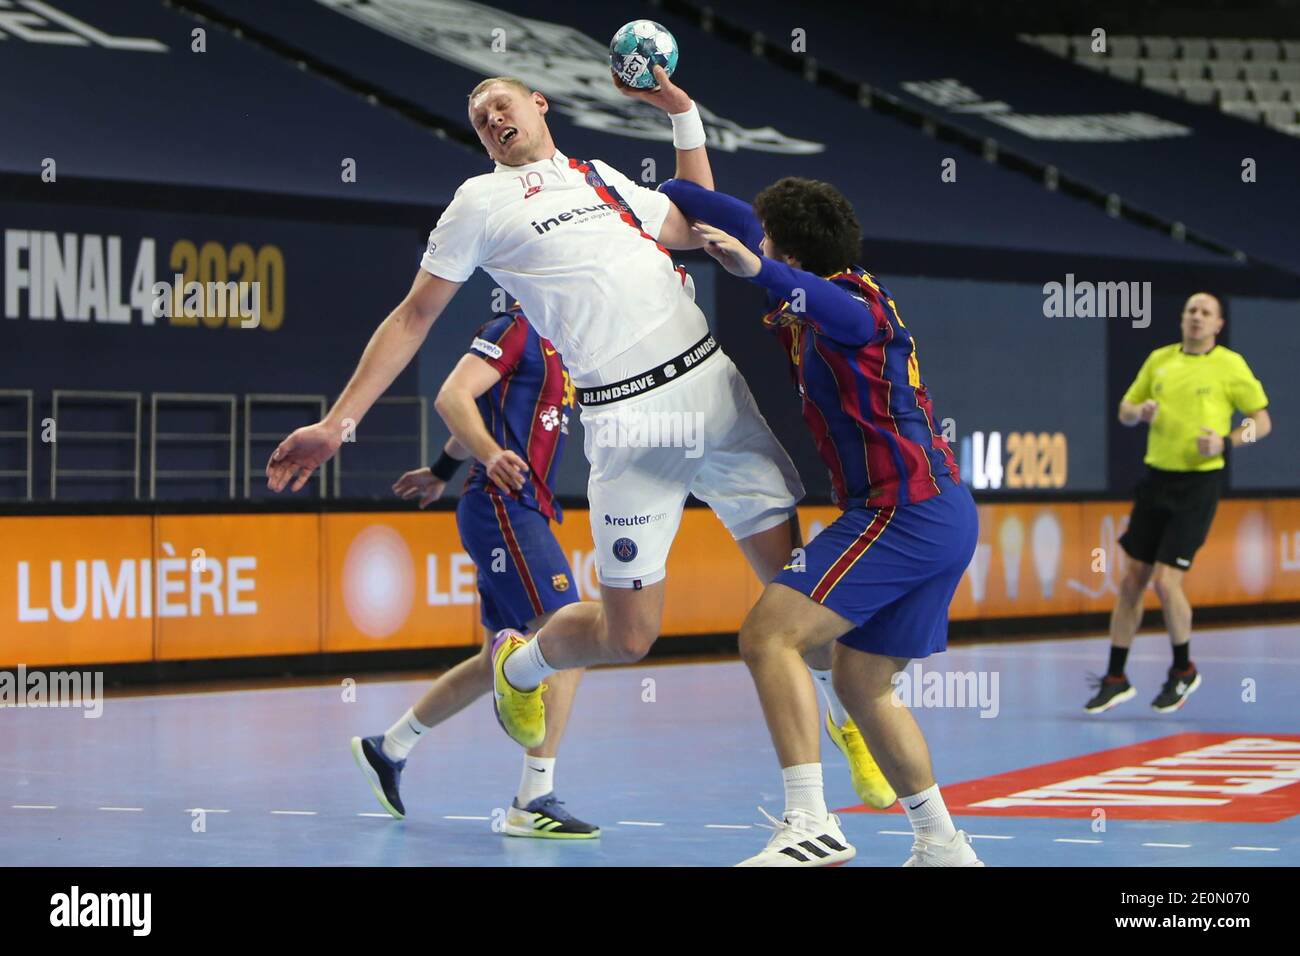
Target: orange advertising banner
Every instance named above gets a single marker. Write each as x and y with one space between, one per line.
114 589
76 590
236 585
396 580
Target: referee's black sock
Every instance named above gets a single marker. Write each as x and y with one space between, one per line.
1182 656
1118 657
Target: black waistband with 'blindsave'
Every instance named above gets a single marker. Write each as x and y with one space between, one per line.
652 379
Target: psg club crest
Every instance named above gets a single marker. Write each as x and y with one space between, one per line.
560 582
625 549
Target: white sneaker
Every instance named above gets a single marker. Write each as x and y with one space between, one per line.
956 852
803 840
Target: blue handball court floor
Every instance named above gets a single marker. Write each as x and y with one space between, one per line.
672 761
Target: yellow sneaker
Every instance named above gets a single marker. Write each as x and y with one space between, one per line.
869 783
521 714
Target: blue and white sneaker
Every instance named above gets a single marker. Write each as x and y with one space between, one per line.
383 774
546 818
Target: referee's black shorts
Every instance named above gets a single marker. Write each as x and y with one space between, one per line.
1171 516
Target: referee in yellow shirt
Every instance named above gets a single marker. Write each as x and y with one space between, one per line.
1186 393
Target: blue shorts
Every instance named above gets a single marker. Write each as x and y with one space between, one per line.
892 572
522 571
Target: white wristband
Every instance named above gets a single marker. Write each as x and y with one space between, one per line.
688 128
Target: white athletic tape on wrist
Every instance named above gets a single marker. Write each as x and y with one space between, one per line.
688 128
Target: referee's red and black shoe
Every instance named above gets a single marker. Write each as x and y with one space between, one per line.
1111 690
1177 689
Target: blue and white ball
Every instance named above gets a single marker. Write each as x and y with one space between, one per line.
637 48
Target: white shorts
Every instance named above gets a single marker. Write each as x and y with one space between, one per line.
702 434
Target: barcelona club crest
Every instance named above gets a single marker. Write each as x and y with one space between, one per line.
625 549
560 582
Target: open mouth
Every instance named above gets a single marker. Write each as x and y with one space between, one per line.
507 135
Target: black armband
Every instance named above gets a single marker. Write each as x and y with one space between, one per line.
444 469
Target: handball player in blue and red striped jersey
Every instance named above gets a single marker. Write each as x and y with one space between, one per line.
507 404
878 581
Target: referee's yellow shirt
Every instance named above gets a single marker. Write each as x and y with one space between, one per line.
1193 391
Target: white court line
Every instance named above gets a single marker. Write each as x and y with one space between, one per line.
295 813
1067 840
637 823
896 832
32 806
452 816
988 836
123 809
204 810
386 816
1172 846
1261 849
729 826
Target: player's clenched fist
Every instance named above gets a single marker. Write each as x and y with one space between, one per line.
1147 410
301 454
508 470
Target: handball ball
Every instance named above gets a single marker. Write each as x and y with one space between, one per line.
637 48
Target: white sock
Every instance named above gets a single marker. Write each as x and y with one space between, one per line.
538 779
803 789
928 815
823 679
526 668
402 736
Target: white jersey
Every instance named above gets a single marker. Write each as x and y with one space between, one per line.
587 277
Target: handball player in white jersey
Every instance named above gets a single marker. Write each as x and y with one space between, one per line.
585 251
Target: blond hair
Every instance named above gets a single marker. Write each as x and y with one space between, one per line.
514 81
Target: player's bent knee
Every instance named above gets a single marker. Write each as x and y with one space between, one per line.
631 646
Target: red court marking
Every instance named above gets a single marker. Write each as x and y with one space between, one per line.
1221 778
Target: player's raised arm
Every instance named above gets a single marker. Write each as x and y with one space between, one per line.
727 213
391 348
688 128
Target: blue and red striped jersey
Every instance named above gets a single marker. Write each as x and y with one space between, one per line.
865 401
527 412
853 361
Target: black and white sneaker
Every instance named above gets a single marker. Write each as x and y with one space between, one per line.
803 840
1177 689
382 773
1110 691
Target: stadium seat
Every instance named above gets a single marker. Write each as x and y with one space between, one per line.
1199 91
1267 93
1292 50
1167 87
1194 48
1155 70
1264 51
1258 71
1126 69
1225 70
1287 72
1242 109
1231 91
1081 46
1280 116
1160 48
1189 70
1227 49
1122 47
